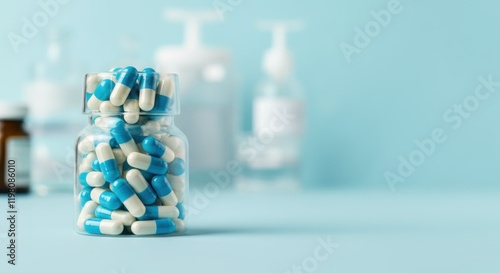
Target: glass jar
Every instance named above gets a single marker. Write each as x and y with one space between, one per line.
131 160
14 149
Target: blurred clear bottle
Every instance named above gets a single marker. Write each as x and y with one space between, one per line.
53 100
271 153
207 92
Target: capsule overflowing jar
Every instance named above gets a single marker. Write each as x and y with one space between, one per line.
132 170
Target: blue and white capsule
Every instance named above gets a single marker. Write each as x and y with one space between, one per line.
105 198
154 147
84 196
91 179
108 109
107 162
90 142
147 163
177 166
86 164
119 156
103 227
177 182
141 186
128 197
180 226
164 98
153 227
131 106
125 81
121 216
101 93
147 89
137 133
88 211
160 212
124 138
164 190
95 165
182 211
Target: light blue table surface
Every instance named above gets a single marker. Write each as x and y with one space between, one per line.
373 232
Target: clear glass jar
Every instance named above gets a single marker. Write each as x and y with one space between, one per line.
132 172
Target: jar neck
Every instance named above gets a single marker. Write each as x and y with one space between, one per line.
167 120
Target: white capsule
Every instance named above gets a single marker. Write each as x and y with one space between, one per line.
122 216
93 103
84 167
131 109
147 99
144 228
119 156
104 152
151 127
119 94
176 182
88 211
89 158
110 227
139 161
135 206
179 193
180 226
107 108
95 179
129 147
86 145
92 81
168 212
180 152
172 141
166 86
169 199
136 180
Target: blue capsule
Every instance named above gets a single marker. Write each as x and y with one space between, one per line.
182 211
136 133
107 162
177 167
95 165
85 195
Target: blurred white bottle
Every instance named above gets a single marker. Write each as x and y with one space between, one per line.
271 154
54 116
208 95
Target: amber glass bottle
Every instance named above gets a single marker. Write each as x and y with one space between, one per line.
14 149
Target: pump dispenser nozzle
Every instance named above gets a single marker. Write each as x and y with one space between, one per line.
278 61
193 20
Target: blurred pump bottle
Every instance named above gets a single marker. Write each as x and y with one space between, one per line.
271 154
207 92
54 118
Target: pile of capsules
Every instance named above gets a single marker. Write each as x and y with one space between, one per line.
132 170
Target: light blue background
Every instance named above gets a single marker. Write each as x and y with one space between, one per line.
361 115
